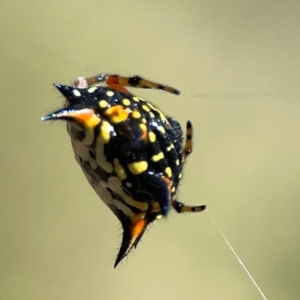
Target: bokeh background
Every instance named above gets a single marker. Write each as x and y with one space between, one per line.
237 65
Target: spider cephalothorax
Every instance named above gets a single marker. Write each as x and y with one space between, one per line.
130 152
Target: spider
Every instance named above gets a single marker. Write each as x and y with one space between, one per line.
131 153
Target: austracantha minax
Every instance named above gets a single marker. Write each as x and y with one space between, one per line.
130 152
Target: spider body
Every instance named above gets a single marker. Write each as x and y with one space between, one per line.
131 153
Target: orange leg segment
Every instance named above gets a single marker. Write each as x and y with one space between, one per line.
119 82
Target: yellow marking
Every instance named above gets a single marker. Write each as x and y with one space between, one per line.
157 157
180 175
136 99
144 120
170 147
173 189
76 93
151 114
128 184
158 217
117 113
103 138
92 89
110 93
126 102
162 129
152 137
136 114
144 132
138 167
143 127
162 116
146 108
177 162
168 171
105 130
152 107
103 104
119 170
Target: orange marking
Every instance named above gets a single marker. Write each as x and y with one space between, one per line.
86 117
144 136
137 228
113 82
117 113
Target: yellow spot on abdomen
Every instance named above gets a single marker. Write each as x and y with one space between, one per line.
157 157
138 167
110 93
152 137
103 138
146 108
103 103
92 89
136 99
144 132
105 131
168 172
169 148
126 102
76 93
136 114
162 116
162 129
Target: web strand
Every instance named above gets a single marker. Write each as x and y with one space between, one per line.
237 257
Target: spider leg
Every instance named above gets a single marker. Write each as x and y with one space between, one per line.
182 208
118 82
111 80
179 206
139 82
143 83
188 140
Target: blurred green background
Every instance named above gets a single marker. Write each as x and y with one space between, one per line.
237 65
